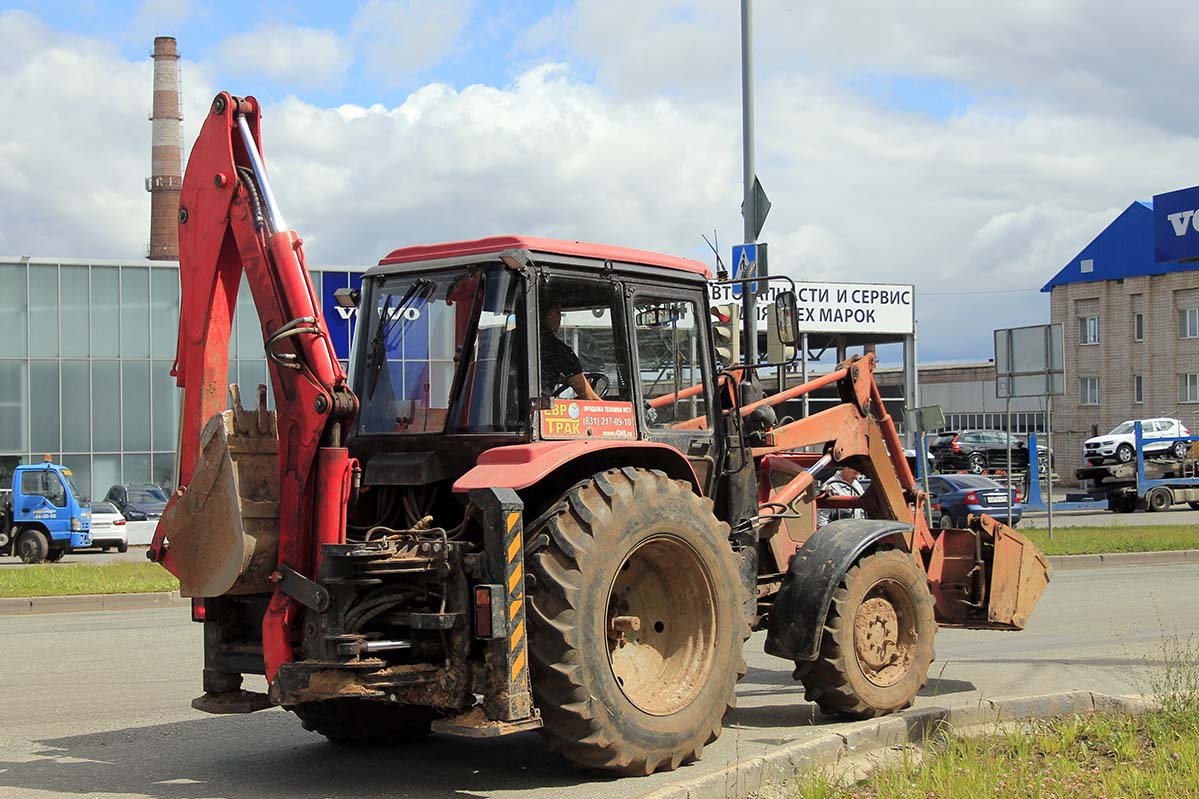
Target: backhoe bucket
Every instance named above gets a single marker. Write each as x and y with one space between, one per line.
223 530
986 577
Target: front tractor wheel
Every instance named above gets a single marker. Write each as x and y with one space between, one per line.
635 623
877 642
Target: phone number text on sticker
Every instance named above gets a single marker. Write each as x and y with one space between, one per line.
568 418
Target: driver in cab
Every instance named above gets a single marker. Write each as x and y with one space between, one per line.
559 364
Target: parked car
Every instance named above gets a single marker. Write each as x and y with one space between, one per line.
976 451
930 462
1120 444
108 527
956 496
138 503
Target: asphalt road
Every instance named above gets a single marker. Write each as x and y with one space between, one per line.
97 704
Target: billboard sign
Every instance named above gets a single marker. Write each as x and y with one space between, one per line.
1176 225
841 307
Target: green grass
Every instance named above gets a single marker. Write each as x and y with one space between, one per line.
1094 540
48 579
1083 757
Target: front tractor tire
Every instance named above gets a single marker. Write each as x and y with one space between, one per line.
877 641
364 721
635 623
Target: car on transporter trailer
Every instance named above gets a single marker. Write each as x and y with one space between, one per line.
1120 445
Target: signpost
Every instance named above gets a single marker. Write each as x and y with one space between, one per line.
1030 362
920 420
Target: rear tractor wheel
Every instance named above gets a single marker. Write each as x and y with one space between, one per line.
877 642
364 721
635 623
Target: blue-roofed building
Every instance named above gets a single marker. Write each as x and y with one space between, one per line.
1131 329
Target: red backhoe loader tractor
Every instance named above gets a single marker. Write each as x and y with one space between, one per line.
490 529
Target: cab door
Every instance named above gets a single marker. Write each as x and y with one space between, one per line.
44 499
672 378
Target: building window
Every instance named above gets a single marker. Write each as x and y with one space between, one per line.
1138 327
1088 330
1087 266
1188 322
1088 391
1138 389
1188 387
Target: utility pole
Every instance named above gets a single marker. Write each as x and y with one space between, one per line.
748 210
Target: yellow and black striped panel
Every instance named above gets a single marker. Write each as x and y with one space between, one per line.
514 571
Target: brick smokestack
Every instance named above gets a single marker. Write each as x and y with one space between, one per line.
166 153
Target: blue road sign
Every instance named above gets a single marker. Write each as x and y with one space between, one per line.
1176 225
745 263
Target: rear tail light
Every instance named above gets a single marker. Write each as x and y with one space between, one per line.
198 611
489 607
119 521
970 498
1017 498
936 506
953 445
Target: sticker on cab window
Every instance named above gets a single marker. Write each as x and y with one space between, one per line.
573 418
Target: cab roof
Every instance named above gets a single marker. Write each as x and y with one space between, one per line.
494 245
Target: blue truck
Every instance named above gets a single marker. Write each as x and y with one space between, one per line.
44 515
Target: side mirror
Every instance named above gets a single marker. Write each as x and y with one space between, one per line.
787 314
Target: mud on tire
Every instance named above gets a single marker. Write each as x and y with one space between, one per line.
623 544
364 721
877 641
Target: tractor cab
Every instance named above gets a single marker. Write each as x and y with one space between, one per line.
510 341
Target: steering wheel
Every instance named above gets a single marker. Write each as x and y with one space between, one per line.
598 380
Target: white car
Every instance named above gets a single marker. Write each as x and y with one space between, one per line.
1120 444
108 527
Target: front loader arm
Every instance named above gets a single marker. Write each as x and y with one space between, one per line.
229 224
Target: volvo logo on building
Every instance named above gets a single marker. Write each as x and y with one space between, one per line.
1176 225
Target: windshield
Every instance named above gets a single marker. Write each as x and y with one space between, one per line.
444 352
1123 427
71 484
969 481
146 495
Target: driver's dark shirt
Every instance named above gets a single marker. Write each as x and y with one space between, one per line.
558 362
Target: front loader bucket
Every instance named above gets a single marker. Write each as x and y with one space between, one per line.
986 577
222 531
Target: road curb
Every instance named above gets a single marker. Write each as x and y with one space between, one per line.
84 602
752 775
1070 562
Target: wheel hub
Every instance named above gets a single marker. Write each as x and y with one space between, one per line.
884 634
661 625
876 633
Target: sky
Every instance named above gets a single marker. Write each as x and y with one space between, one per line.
970 149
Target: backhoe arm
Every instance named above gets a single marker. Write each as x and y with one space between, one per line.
229 224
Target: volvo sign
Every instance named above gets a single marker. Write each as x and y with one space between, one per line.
1176 225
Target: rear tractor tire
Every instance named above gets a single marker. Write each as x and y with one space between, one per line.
636 624
877 642
365 721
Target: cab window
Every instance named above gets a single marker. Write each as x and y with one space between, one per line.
46 485
670 362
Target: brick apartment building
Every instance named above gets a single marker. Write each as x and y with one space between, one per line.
1131 334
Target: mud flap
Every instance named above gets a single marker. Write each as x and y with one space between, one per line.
802 603
222 528
986 577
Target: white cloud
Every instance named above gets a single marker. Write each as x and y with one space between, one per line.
298 56
158 18
399 38
996 198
